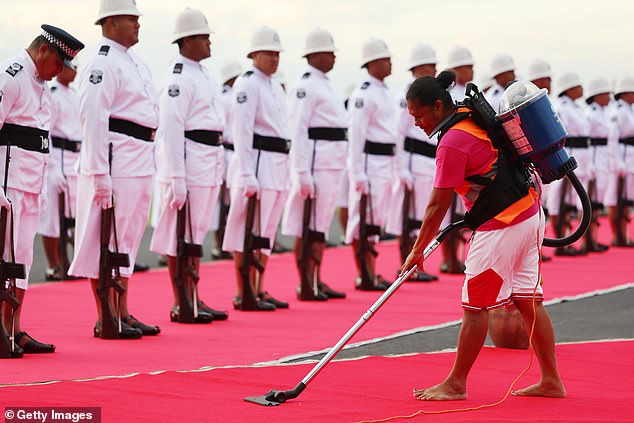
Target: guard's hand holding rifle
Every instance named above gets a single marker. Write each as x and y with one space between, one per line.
102 185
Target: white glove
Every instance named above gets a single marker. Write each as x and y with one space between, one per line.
57 182
177 193
406 179
362 186
251 186
306 184
4 202
102 185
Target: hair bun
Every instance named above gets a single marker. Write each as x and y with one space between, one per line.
446 78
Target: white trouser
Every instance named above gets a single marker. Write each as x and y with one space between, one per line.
377 206
49 221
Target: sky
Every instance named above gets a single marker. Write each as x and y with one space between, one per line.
593 39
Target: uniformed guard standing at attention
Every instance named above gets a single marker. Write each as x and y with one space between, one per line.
190 163
119 114
503 72
598 97
619 197
371 161
25 116
62 176
561 200
317 125
230 72
416 166
261 178
461 62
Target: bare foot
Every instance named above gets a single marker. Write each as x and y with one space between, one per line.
542 389
442 392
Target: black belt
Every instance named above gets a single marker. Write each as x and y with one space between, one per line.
205 137
379 148
132 129
64 144
274 144
412 145
627 141
24 137
598 141
228 146
328 134
577 142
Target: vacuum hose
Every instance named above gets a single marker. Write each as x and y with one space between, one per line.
586 216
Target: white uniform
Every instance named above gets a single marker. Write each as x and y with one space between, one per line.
25 101
599 129
64 152
259 110
494 95
371 118
416 158
314 104
576 125
620 151
458 92
115 88
189 101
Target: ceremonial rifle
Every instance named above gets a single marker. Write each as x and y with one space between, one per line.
309 289
365 247
252 242
185 267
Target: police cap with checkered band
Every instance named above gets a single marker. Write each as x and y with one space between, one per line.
65 44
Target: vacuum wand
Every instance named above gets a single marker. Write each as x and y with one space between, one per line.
275 397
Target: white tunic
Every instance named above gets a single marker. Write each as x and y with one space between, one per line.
65 124
576 125
259 107
116 83
371 118
313 103
227 137
189 100
24 100
494 96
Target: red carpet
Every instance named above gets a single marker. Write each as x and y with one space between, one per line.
597 377
64 313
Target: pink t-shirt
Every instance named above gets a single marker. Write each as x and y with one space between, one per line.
461 154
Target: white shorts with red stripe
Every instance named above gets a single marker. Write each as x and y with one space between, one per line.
503 265
202 202
327 185
267 218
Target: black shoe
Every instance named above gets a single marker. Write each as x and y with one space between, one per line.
201 318
32 346
216 314
455 268
127 332
310 295
53 274
162 261
376 287
145 329
265 296
279 248
598 248
217 254
420 276
259 305
139 267
330 293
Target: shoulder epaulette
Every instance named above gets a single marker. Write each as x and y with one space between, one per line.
248 73
306 75
178 68
104 50
14 69
365 85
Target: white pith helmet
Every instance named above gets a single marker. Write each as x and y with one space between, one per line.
190 22
539 69
109 8
459 56
319 41
374 49
624 85
422 54
566 81
597 86
230 70
501 63
265 39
